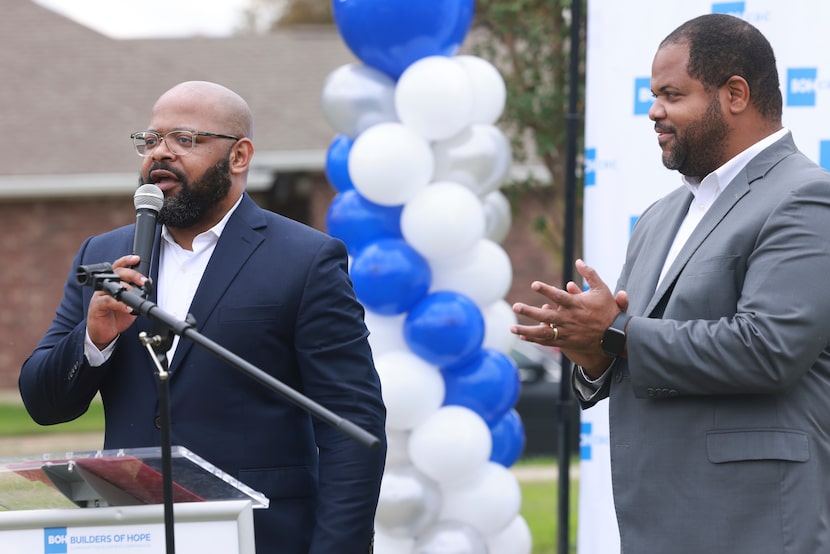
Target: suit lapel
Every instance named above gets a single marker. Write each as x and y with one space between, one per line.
238 241
726 201
644 275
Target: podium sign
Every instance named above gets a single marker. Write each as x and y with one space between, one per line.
40 501
222 526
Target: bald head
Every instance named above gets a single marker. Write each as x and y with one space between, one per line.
202 100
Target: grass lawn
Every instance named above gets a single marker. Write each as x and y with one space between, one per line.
15 421
539 497
540 501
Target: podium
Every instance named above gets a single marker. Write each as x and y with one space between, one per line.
110 501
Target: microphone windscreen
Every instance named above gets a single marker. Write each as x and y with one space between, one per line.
148 197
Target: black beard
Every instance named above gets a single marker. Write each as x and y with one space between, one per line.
196 201
699 151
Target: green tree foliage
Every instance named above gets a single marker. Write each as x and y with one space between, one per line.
528 41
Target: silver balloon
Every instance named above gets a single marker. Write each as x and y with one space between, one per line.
450 537
497 216
479 158
409 502
356 97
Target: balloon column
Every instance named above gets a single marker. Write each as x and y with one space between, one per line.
417 163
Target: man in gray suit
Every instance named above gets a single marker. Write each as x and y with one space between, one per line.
717 367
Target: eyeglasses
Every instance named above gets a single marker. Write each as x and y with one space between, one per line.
180 143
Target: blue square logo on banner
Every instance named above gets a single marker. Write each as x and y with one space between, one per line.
632 221
729 8
801 86
643 99
824 154
585 441
54 540
590 167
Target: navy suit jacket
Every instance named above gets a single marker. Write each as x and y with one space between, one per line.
276 293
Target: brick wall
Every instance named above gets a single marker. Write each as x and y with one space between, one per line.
39 238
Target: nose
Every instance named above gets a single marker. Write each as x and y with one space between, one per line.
657 110
158 154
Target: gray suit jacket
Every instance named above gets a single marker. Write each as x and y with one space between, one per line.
720 415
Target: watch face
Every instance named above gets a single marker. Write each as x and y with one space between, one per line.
613 342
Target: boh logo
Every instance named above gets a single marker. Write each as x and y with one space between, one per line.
730 8
590 167
55 540
802 85
590 438
643 98
584 441
824 154
739 9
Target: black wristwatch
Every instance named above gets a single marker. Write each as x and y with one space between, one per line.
613 341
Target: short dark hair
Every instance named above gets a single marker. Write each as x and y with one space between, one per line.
721 46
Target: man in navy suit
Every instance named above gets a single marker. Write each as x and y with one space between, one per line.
271 290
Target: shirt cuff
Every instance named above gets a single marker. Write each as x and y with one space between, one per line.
587 387
94 356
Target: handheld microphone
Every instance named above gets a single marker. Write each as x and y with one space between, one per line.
148 200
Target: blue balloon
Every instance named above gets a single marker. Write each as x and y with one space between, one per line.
389 35
389 276
487 383
337 163
357 221
444 328
508 439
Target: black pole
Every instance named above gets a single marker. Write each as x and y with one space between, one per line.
166 462
566 402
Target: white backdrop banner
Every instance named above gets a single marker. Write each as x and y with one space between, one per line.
624 173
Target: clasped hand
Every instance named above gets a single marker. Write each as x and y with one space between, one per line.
574 320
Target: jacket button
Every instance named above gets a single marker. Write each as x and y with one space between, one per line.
618 376
157 422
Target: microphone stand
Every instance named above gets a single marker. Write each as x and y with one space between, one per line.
158 347
102 277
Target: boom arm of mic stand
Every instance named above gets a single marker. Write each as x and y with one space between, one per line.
110 283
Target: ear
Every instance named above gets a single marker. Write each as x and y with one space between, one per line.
737 94
241 154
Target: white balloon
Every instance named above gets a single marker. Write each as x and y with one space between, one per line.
385 332
412 389
386 544
397 448
450 537
488 503
409 502
497 216
389 164
498 317
489 90
483 273
451 444
513 539
356 97
434 97
478 157
442 220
